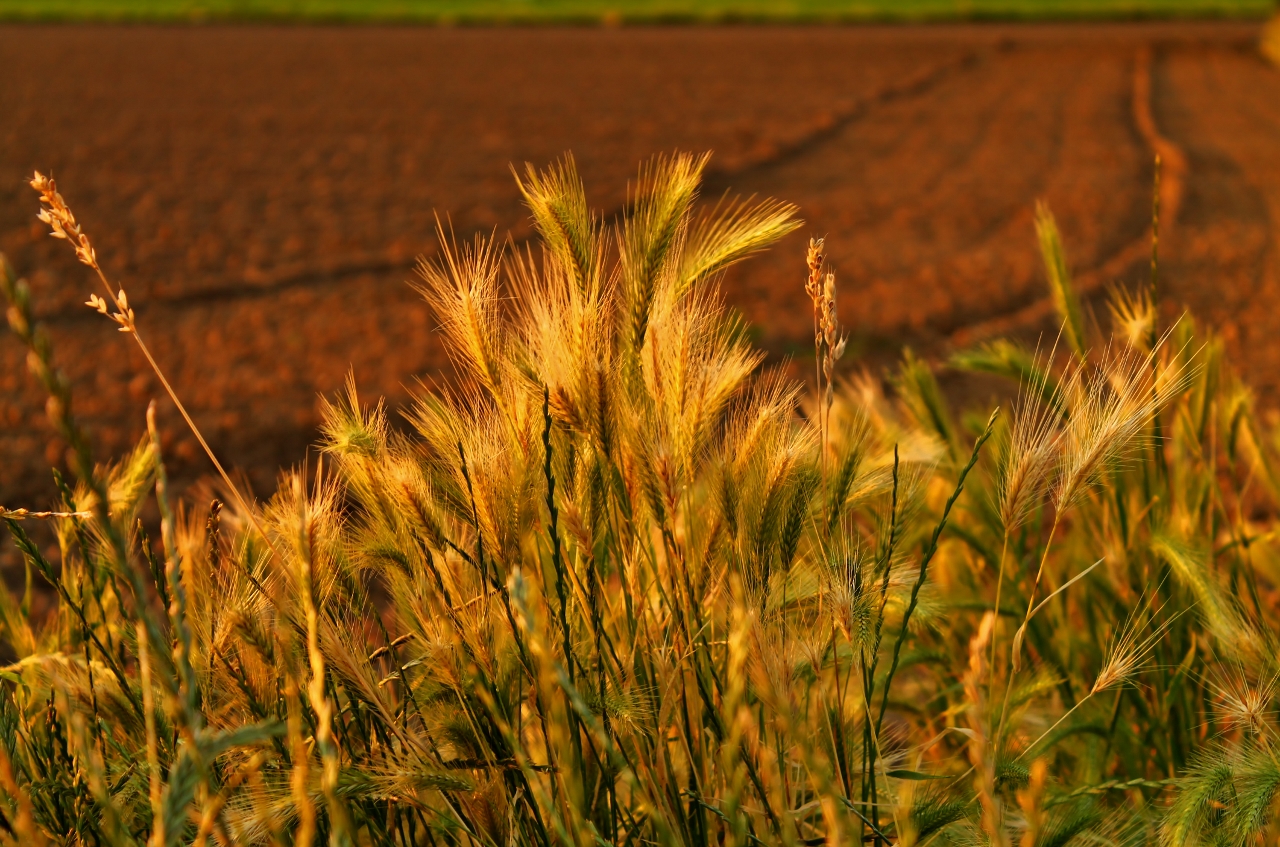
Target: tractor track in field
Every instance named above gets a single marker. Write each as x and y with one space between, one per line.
1091 281
262 193
1218 105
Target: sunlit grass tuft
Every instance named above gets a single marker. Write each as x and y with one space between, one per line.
622 583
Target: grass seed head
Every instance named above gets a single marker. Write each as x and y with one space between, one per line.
1034 450
1247 705
57 214
1129 651
1115 404
1132 316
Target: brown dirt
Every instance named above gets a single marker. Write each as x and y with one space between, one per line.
262 192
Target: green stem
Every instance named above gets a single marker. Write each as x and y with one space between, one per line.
924 567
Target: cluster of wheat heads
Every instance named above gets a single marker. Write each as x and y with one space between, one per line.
623 585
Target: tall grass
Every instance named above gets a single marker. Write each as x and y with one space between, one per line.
623 584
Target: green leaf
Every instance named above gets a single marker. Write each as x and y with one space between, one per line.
914 775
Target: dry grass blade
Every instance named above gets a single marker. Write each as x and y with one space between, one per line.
1021 634
25 514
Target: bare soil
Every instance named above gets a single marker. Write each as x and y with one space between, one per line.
262 192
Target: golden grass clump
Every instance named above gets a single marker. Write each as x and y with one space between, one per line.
624 584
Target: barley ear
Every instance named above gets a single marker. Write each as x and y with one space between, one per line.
558 202
663 196
462 289
732 231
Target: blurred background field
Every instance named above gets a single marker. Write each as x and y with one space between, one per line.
623 11
263 192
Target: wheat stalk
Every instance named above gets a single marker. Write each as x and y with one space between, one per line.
62 223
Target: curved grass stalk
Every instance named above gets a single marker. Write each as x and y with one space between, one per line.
924 566
63 225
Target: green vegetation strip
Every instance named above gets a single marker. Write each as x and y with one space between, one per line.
621 11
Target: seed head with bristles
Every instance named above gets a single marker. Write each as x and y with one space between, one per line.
1128 652
462 288
1113 407
1035 445
1244 705
1132 316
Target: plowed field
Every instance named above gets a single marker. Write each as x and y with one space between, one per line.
262 193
